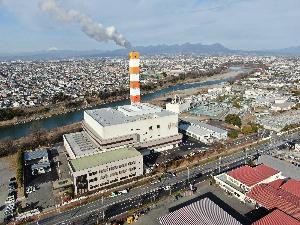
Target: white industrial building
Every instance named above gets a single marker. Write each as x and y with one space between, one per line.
111 147
179 105
203 132
144 126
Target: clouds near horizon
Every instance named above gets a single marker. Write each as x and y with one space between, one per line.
237 24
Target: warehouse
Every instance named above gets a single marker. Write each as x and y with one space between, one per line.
203 211
202 131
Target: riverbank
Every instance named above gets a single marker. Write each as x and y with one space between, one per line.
39 138
42 112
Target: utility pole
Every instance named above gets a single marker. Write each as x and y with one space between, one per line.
188 174
220 159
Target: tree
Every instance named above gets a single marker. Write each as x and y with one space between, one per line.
233 119
164 74
233 134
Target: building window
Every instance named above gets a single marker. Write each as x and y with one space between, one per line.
158 126
150 128
114 174
131 169
123 178
131 163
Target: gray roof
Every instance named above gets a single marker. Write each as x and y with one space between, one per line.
110 116
81 144
38 154
287 169
200 124
193 129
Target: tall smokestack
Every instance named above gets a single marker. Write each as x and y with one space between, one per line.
134 71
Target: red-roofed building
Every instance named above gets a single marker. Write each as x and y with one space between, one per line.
276 183
250 176
241 180
277 217
274 198
292 186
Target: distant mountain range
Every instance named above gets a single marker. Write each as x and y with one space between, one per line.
187 48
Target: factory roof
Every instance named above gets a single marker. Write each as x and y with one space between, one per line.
127 114
275 218
103 158
204 211
38 154
81 144
252 175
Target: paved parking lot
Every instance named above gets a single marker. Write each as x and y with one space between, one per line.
42 198
188 146
5 174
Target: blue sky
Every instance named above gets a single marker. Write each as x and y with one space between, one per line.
237 24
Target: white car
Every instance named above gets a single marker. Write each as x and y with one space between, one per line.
125 191
30 189
167 188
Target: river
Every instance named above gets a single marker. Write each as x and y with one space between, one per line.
21 130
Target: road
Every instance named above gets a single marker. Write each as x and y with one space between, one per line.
110 207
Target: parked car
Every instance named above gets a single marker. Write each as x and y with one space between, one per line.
10 200
125 191
12 179
30 189
167 188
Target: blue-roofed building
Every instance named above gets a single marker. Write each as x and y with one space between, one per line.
38 161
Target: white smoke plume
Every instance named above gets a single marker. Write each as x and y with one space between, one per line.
91 28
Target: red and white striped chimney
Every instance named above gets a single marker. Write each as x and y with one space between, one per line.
134 71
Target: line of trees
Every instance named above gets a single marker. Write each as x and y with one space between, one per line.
20 168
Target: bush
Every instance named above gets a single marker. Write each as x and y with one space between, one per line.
233 134
10 113
233 119
247 129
